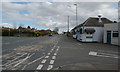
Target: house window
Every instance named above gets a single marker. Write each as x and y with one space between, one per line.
115 34
89 30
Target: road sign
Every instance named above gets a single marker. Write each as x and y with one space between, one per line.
9 29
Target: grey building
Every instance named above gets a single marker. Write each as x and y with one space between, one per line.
111 34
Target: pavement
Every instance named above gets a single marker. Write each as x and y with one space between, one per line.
57 52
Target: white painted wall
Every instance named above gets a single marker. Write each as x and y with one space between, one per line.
97 35
74 36
111 27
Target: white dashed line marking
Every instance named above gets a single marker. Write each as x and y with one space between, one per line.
47 57
48 53
55 53
57 49
43 61
50 67
52 49
39 67
52 62
54 57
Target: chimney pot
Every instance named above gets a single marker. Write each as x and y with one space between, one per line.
100 15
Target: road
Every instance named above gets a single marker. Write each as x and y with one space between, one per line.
57 53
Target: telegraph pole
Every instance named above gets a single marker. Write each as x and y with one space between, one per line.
68 23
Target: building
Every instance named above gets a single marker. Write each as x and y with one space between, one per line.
33 30
91 30
111 33
48 31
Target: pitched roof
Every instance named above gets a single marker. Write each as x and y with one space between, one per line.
92 21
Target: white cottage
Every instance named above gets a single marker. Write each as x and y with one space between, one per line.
91 30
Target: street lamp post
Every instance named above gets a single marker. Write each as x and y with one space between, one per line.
76 13
68 27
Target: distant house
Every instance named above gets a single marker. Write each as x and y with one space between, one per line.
48 30
7 28
33 30
111 33
41 30
91 30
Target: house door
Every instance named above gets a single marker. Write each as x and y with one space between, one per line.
109 37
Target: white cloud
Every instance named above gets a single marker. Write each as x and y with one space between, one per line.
6 25
60 0
40 13
49 3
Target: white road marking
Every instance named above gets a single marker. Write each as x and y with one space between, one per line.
52 49
39 67
108 51
15 59
52 62
12 63
36 60
92 53
43 61
106 55
24 67
55 53
54 57
48 53
79 44
7 55
57 49
115 57
23 60
47 57
109 54
50 67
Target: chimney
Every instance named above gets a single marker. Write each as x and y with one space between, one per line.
99 15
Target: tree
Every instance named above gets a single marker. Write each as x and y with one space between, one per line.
20 27
28 27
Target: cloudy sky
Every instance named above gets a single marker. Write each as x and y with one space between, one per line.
48 15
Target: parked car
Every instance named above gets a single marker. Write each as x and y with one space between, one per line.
50 34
